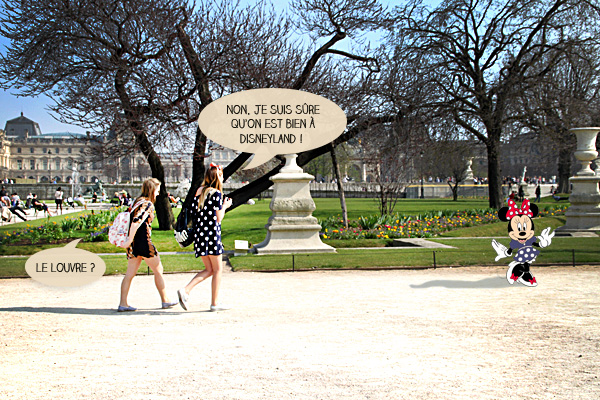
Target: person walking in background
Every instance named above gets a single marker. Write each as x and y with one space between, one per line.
139 245
208 209
521 193
58 199
538 193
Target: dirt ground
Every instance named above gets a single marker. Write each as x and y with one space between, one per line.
431 334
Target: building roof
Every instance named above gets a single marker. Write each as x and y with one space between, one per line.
65 135
21 125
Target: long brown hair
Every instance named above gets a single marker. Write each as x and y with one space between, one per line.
211 181
148 189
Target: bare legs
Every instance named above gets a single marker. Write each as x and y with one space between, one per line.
214 268
132 267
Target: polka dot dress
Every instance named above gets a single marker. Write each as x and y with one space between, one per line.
527 253
207 231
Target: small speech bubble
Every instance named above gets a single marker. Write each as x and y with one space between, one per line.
268 122
65 266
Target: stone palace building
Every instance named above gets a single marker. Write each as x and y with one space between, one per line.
29 156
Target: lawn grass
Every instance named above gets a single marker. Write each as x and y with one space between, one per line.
247 223
466 252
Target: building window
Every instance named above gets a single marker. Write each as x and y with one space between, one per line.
19 150
31 150
57 150
69 150
31 164
45 165
19 164
57 165
69 164
44 150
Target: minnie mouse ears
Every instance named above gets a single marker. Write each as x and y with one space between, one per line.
514 210
527 208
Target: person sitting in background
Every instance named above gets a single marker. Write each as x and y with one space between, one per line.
80 201
70 202
28 202
128 200
4 199
40 206
16 207
116 199
95 198
173 200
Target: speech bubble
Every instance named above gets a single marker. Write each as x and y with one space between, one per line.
65 266
268 122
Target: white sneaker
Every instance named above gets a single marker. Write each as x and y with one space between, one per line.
220 307
183 298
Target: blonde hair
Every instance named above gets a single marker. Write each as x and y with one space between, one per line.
148 189
211 181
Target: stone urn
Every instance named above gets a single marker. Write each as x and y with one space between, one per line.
584 213
586 149
292 228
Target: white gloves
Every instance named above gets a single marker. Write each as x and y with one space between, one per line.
181 236
545 238
501 250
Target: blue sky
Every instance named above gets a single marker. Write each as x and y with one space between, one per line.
36 108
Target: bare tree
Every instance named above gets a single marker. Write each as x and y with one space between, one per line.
390 152
566 97
476 53
102 62
288 63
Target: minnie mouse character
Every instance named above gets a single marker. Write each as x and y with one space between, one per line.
520 230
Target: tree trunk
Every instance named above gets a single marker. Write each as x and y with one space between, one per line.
164 213
494 178
197 166
564 168
454 190
336 170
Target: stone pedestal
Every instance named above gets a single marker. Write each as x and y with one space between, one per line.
292 228
469 179
584 213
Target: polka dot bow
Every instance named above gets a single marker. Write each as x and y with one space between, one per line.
514 210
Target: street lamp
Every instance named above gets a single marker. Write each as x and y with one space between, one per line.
50 165
422 179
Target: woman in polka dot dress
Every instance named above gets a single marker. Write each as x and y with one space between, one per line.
208 209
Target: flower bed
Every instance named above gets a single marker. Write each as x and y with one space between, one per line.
419 226
95 225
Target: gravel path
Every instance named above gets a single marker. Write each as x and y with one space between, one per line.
429 334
